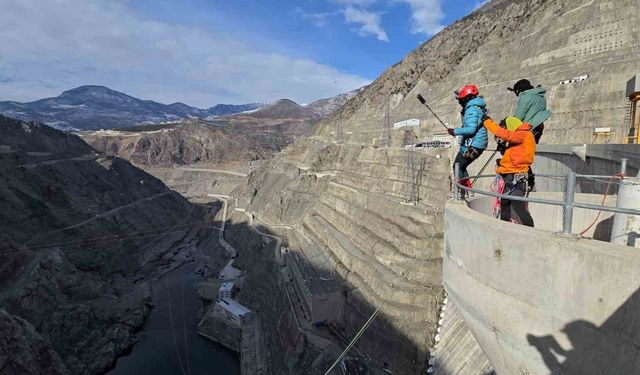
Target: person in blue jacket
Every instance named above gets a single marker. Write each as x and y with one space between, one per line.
472 135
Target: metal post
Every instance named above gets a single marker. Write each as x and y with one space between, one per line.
484 167
623 166
569 197
456 178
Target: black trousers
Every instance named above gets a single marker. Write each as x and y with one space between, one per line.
465 162
508 207
537 134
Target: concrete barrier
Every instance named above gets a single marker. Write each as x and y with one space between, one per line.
550 218
626 227
539 303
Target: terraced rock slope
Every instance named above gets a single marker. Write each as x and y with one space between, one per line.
344 189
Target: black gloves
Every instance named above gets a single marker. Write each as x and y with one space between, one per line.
485 117
450 131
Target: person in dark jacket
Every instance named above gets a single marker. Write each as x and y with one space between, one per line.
472 135
532 106
532 109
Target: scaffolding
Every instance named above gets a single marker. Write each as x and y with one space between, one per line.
633 93
632 120
415 165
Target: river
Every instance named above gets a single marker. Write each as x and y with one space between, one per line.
169 343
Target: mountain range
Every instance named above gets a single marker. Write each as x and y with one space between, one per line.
97 107
246 136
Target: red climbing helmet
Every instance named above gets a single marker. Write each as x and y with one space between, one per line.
466 91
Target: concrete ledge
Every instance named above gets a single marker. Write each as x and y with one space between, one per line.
526 294
613 152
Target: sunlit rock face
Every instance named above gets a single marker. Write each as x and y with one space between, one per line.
344 192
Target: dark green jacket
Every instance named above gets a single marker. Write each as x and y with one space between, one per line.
532 107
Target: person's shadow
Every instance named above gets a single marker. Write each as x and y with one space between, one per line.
610 349
584 337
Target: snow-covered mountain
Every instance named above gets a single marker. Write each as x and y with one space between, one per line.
285 109
325 107
96 107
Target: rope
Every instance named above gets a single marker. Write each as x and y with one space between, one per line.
113 236
604 199
173 329
184 325
374 314
116 237
122 237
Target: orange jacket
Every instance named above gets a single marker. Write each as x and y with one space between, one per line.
521 149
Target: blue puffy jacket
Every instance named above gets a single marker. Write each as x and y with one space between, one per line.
472 131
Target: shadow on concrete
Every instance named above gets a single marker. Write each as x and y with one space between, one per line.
291 349
603 230
612 348
559 164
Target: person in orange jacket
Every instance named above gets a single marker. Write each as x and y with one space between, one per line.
518 147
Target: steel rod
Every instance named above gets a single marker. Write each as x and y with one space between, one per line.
569 197
456 180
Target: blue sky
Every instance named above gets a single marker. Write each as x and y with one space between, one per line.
204 52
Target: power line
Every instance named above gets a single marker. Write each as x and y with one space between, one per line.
122 237
173 329
184 325
375 313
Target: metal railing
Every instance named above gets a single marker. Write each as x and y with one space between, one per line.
568 204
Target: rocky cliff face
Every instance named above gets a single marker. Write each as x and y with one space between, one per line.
222 140
189 142
551 42
74 258
352 202
325 107
349 199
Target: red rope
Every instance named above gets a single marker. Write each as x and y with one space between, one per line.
604 199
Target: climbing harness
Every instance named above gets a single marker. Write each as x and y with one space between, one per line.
497 186
500 186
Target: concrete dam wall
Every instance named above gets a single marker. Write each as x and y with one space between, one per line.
538 303
347 206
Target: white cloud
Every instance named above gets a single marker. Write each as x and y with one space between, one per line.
319 19
371 23
51 46
426 16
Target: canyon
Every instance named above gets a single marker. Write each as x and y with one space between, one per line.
339 228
